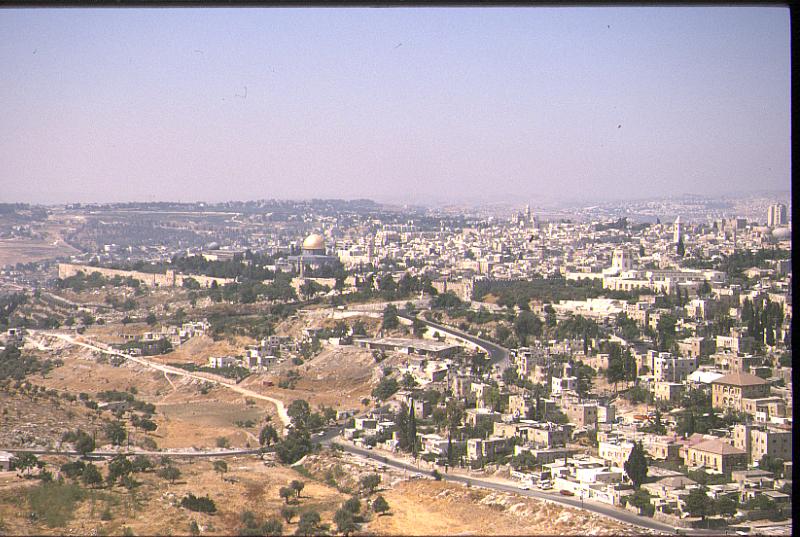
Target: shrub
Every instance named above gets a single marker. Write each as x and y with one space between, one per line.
73 470
200 504
54 502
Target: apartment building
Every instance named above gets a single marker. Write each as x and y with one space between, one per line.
615 453
669 368
729 390
715 455
757 441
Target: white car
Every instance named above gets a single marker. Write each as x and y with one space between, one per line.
525 486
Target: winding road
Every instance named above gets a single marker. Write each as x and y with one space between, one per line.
594 507
284 417
497 355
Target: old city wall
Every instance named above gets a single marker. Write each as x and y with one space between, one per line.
167 279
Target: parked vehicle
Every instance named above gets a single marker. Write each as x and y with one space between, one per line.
566 493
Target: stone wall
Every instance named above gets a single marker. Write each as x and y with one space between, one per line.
167 279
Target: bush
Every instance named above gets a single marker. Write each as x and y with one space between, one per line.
202 504
169 473
54 502
73 470
386 388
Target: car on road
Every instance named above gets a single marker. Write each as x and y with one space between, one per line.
566 493
525 486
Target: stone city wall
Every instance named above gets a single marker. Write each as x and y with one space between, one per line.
167 279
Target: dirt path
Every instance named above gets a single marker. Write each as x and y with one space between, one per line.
170 381
284 417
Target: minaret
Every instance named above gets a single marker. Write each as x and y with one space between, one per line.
677 231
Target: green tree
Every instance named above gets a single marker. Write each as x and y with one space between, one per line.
412 430
353 505
615 371
170 473
73 470
527 324
636 465
387 387
288 513
25 461
294 446
297 486
726 506
408 382
118 468
345 521
658 426
698 503
299 410
370 482
419 327
84 443
286 493
141 463
267 436
116 433
91 476
272 526
771 464
641 499
151 319
309 523
390 318
380 505
220 467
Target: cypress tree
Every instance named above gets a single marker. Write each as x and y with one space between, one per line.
636 465
412 429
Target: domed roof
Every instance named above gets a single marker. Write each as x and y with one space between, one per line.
314 242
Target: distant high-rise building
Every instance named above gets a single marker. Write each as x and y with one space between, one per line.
528 214
677 231
777 215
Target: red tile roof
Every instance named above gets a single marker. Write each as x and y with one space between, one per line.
740 379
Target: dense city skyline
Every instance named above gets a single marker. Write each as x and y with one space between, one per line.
397 105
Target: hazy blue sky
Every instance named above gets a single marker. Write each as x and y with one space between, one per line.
468 104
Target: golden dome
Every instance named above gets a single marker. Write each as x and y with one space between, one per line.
314 242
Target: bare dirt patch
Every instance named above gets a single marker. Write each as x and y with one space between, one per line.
13 251
428 507
82 372
199 349
338 376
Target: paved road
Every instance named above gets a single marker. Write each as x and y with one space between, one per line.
134 452
497 354
605 510
284 417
